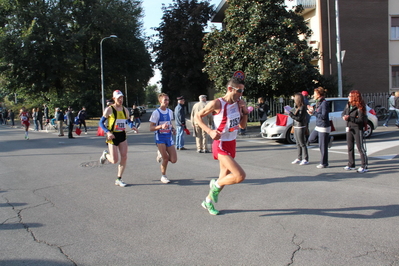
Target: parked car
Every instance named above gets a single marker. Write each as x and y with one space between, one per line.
142 110
269 129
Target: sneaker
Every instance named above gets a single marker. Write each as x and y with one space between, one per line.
209 206
320 166
347 168
103 157
296 161
330 141
385 125
119 182
362 170
303 162
214 191
159 157
164 179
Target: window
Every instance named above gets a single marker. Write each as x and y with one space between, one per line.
395 76
339 105
394 28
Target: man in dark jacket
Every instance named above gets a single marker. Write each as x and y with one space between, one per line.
70 120
180 117
82 118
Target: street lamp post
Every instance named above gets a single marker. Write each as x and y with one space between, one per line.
102 69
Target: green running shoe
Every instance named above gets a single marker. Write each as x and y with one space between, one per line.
214 191
209 206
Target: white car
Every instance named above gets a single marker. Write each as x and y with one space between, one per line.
269 130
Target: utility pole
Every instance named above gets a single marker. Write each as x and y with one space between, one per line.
339 57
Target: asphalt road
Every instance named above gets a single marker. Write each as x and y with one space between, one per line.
58 206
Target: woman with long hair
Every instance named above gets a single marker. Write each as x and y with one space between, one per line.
300 120
321 133
356 119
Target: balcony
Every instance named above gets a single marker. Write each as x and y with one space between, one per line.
307 4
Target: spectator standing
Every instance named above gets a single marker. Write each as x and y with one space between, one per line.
35 119
40 118
180 117
299 116
70 122
46 116
355 116
24 116
5 116
59 117
11 115
305 95
161 124
391 108
263 109
200 135
321 133
82 118
136 116
397 108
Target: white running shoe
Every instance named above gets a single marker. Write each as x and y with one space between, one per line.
159 157
362 170
320 166
347 168
164 179
296 161
303 162
103 157
119 182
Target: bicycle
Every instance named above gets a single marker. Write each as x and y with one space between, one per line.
380 111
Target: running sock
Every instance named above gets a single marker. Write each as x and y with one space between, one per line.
208 200
217 185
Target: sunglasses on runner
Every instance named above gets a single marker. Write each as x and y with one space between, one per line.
238 90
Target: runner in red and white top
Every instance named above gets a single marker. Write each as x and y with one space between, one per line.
230 114
24 116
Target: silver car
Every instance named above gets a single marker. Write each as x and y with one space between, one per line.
269 130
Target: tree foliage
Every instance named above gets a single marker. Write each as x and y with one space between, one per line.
50 50
267 42
179 53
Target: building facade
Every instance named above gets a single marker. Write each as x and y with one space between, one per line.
369 39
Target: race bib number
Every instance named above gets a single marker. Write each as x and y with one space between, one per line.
234 124
120 125
24 118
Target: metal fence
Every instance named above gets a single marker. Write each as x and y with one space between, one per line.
276 105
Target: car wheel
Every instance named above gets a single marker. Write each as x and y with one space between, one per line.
289 137
369 131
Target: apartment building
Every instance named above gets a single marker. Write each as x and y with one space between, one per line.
369 39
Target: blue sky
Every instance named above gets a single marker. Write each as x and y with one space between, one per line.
152 18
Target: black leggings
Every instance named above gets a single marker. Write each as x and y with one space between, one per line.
354 134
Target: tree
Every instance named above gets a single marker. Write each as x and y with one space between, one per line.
152 94
268 43
49 50
179 53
